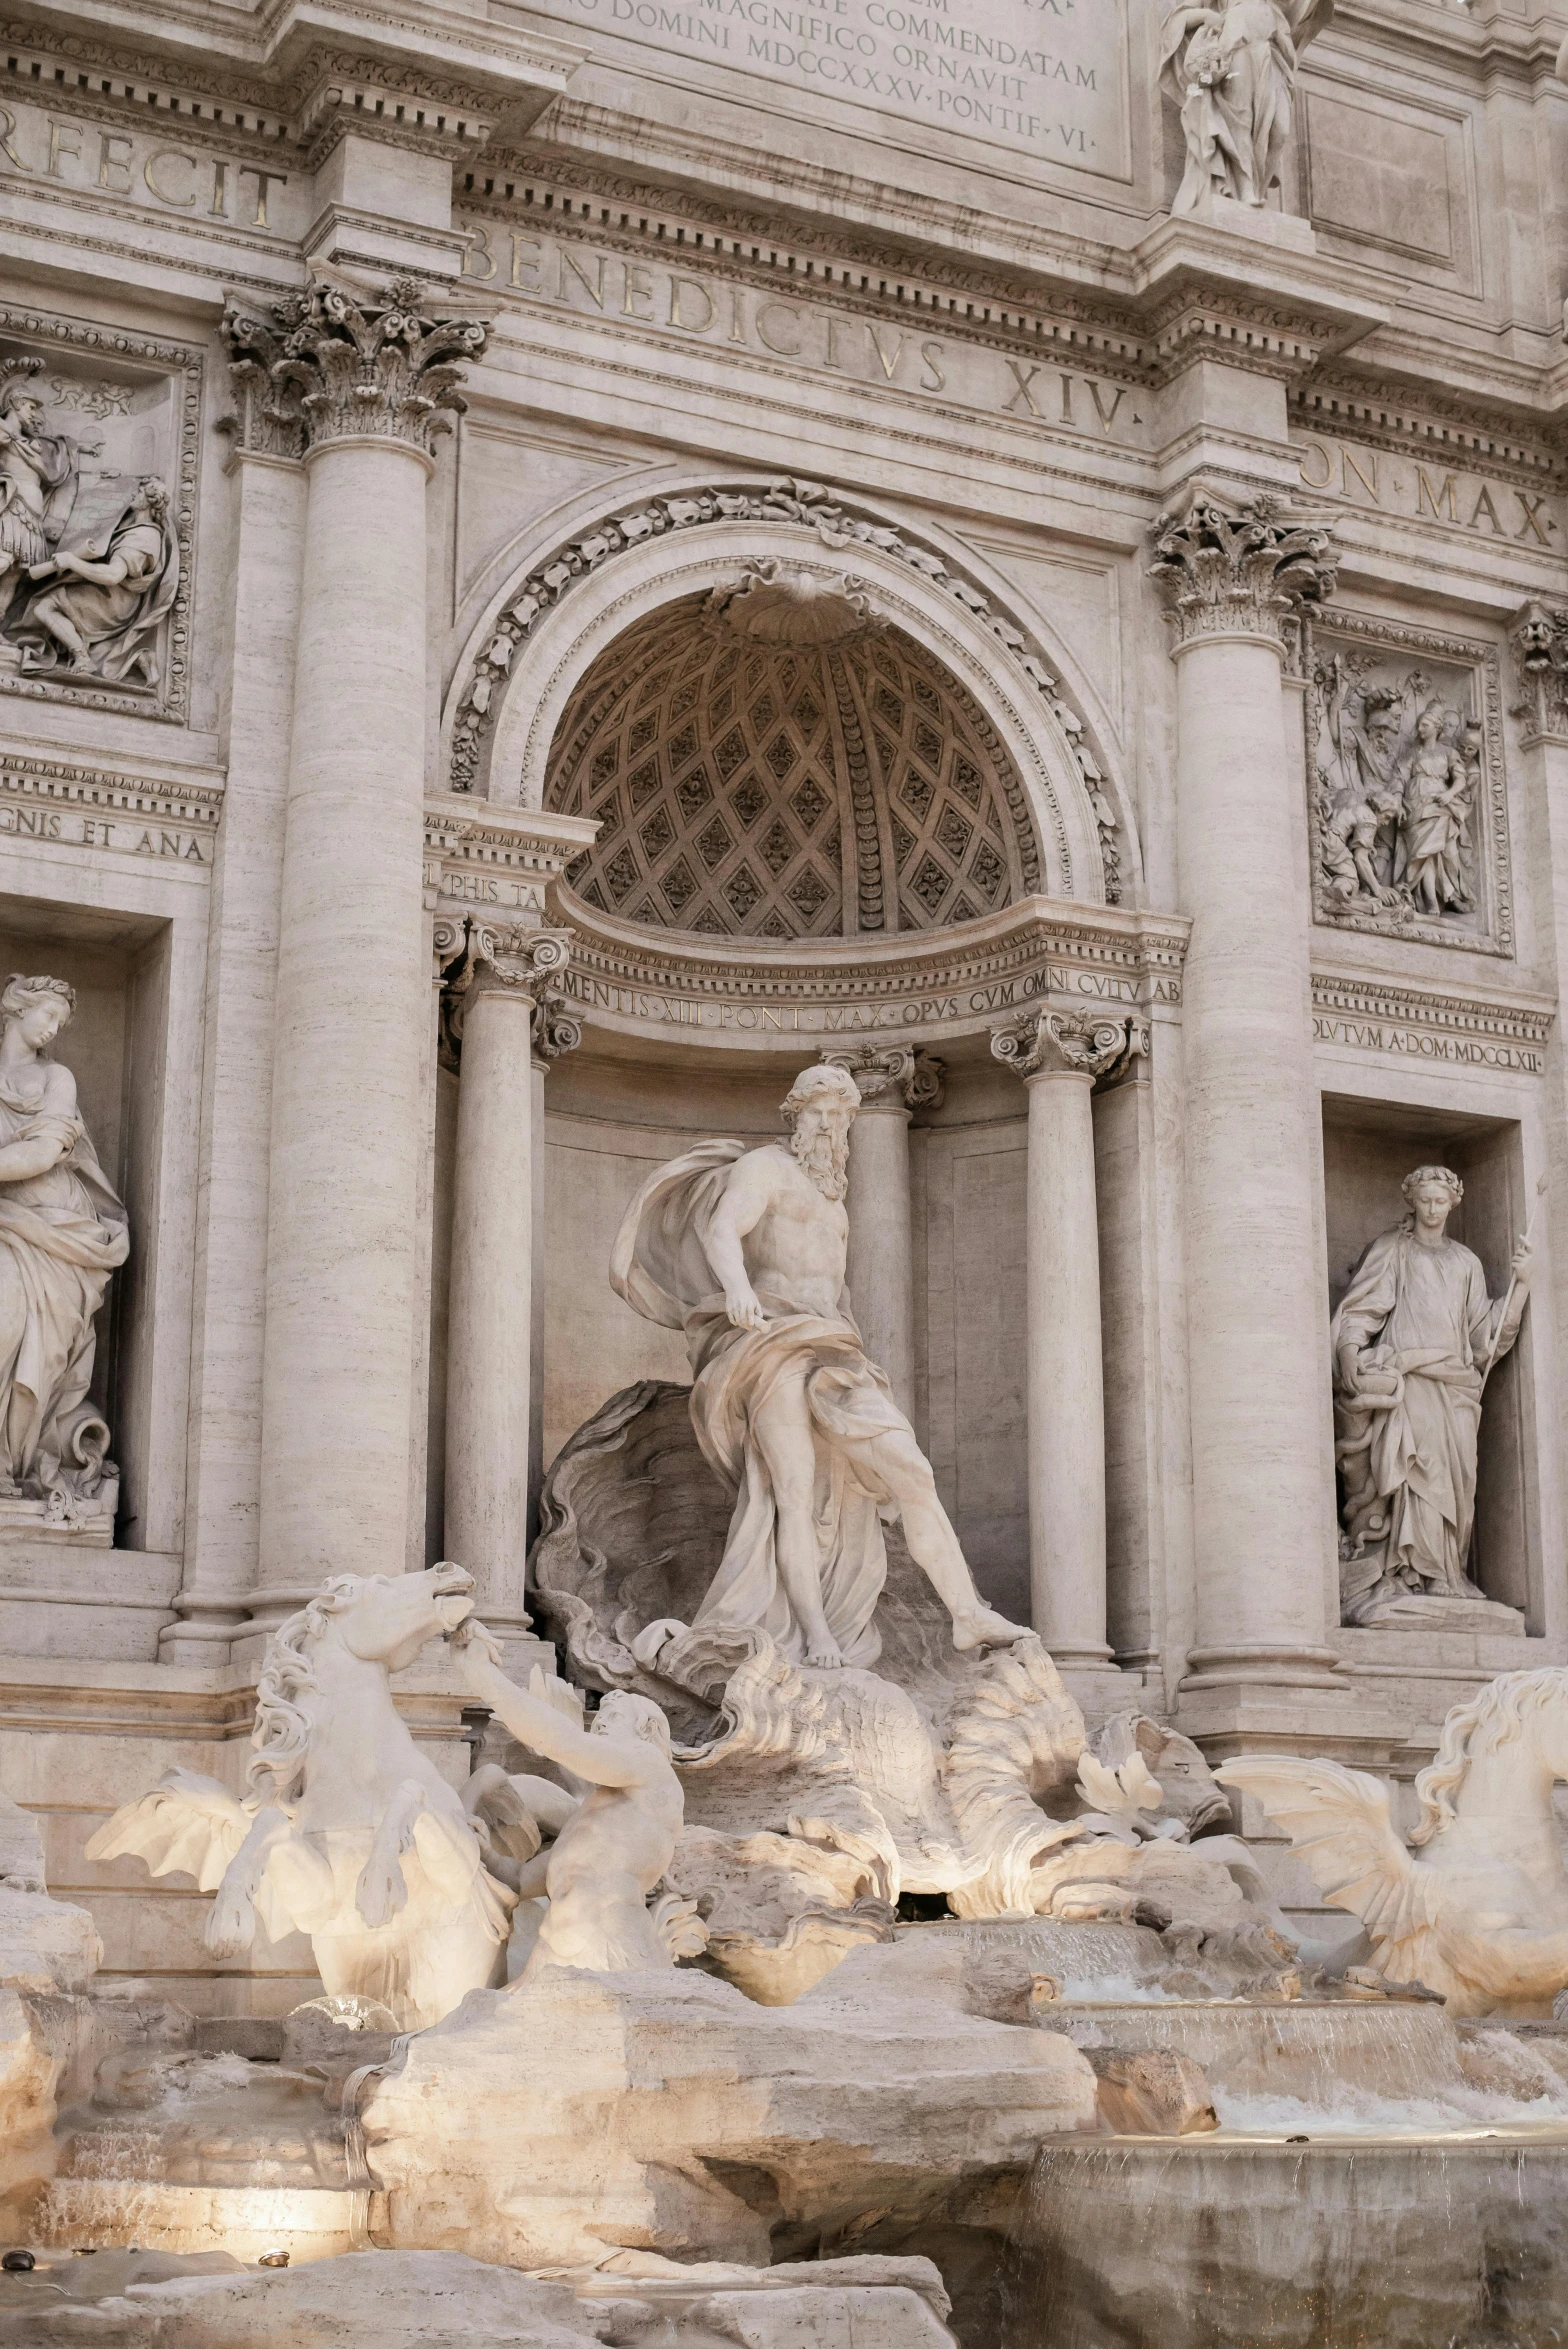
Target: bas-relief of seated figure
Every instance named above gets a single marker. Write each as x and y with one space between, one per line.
62 1233
1414 1340
97 608
747 1251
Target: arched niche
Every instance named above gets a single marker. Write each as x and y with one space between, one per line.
517 693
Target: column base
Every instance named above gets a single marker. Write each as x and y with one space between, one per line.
1262 1666
1096 1681
204 1634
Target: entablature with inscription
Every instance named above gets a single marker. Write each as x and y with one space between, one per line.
1389 1018
955 982
479 856
110 813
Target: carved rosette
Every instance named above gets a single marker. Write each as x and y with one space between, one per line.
895 1075
1247 569
336 362
1539 642
1069 1043
521 963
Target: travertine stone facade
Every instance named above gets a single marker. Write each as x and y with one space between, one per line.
561 563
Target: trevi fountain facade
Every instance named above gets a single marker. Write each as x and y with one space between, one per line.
783 1173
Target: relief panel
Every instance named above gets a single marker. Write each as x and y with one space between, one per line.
1407 801
97 472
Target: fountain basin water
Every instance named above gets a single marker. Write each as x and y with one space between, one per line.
1238 2242
307 2223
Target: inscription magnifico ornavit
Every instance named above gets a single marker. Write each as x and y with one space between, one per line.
1046 78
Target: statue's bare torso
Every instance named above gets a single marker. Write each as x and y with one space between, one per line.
792 1240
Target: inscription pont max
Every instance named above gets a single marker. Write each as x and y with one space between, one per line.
1046 78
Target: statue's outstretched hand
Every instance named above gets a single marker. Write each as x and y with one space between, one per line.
477 1651
744 1308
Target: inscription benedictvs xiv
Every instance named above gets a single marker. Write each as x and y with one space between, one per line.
1045 78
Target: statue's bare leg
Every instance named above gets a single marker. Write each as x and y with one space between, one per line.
934 1546
49 611
782 1428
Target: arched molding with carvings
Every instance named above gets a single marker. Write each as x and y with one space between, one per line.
571 594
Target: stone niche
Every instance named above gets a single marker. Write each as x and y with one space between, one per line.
59 1594
1368 1149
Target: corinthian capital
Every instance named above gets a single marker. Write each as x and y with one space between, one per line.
1224 570
337 361
895 1073
1067 1043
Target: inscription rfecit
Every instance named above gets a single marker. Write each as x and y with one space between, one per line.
1045 78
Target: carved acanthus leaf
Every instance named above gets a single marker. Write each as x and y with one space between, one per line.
337 361
894 1072
1539 641
517 961
1224 570
1068 1043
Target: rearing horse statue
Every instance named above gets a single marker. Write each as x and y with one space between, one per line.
1477 1909
347 1831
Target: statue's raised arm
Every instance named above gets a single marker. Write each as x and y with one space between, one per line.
746 1250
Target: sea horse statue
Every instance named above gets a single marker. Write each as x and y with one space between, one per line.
1476 1908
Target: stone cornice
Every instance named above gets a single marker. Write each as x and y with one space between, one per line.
1434 33
279 76
956 981
496 858
1371 1012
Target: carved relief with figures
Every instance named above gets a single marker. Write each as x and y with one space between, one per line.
96 475
1405 783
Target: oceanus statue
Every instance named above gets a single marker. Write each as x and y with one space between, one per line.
347 1830
1476 1908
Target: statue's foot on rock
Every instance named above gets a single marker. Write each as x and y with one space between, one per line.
985 1629
825 1653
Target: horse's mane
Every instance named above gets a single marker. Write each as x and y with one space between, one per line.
281 1737
1493 1717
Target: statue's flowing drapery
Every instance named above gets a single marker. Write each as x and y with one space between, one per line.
61 1235
1424 1314
660 1266
1230 67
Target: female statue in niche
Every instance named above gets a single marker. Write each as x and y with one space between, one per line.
62 1232
1414 1341
1230 68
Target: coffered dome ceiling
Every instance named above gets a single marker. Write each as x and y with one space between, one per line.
776 764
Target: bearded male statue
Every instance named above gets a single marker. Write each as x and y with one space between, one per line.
746 1250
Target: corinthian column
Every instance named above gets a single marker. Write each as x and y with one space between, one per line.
499 1014
1263 1515
893 1083
1059 1055
357 382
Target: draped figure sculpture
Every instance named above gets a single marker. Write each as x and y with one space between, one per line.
1414 1340
746 1250
1230 68
62 1233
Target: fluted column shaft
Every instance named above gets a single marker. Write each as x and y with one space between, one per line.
338 1358
354 382
893 1082
491 1320
1059 1055
1262 1486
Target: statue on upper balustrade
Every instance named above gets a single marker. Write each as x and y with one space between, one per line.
62 1233
1414 1341
1230 68
746 1251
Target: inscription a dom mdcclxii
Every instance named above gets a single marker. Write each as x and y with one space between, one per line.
1042 77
